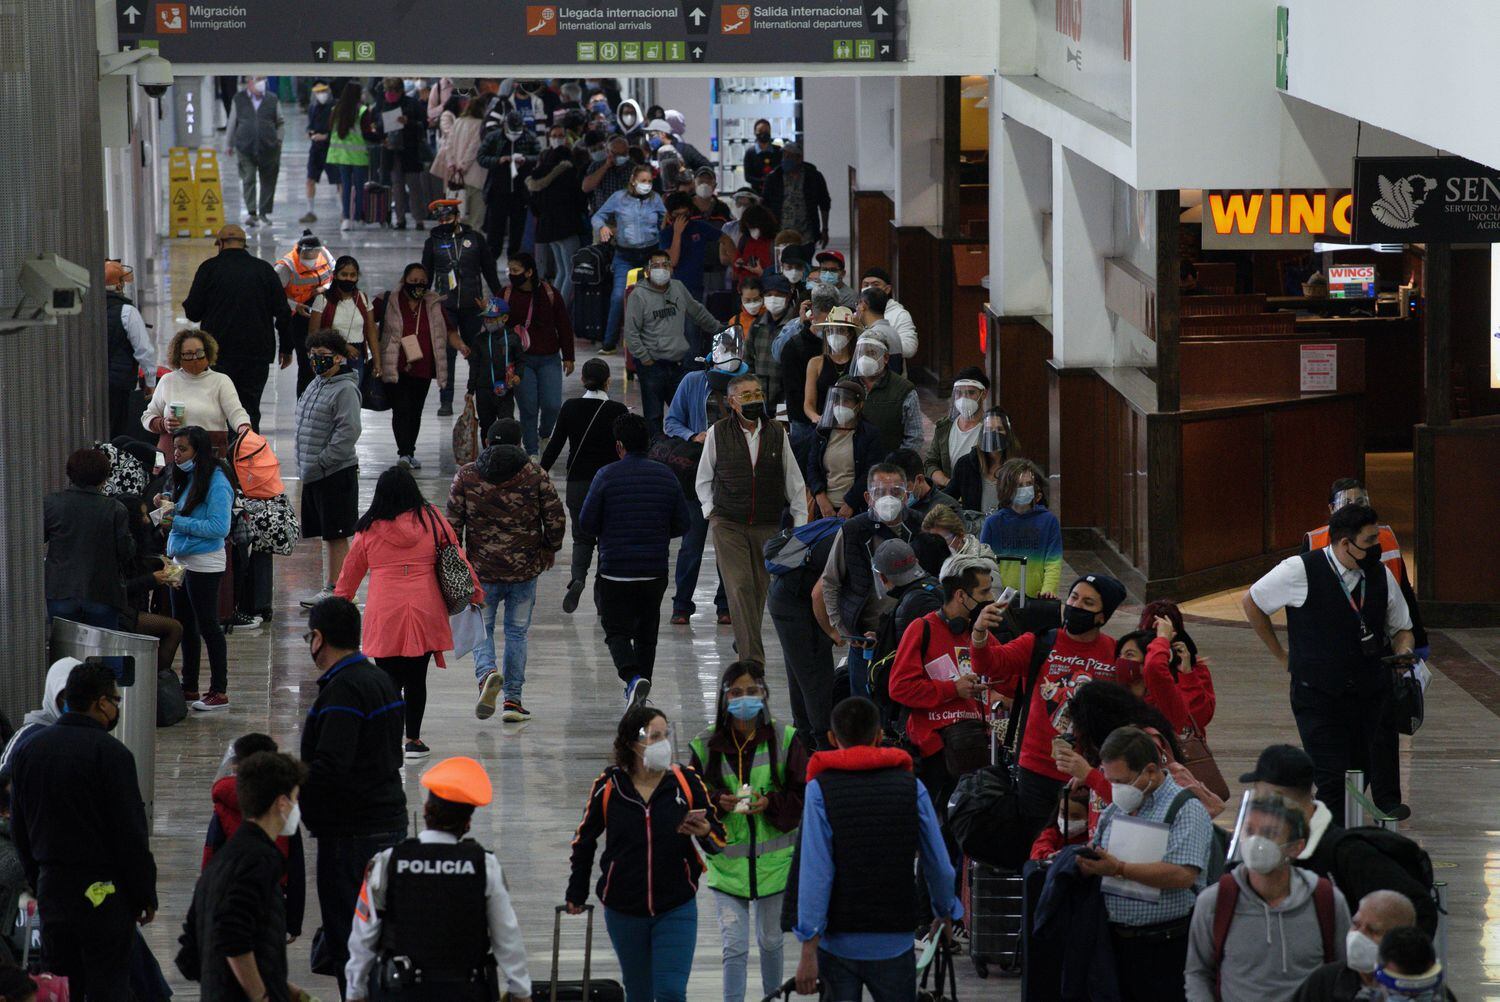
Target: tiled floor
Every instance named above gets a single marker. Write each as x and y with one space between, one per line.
542 769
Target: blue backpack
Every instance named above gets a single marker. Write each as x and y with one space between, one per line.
789 549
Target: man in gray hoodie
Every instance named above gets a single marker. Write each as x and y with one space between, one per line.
655 334
1286 922
328 426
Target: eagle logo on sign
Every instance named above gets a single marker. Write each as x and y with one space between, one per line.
1399 200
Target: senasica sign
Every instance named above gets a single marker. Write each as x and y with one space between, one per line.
1421 199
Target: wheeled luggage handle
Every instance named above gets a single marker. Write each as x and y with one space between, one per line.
1021 597
588 947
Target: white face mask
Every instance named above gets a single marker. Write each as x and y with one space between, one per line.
289 827
753 307
867 366
755 233
967 406
1261 854
887 508
554 143
843 415
1025 494
1073 828
704 190
321 97
794 275
736 211
1127 796
1362 952
643 188
837 342
776 304
660 276
657 757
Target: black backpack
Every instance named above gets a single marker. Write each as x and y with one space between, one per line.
886 642
1404 852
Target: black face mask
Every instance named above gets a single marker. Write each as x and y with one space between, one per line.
322 364
1078 620
753 411
346 285
416 290
1370 562
962 624
115 720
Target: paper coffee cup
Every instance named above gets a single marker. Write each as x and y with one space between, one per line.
179 410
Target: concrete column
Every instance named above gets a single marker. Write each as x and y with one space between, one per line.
1020 201
830 142
1082 237
918 160
875 137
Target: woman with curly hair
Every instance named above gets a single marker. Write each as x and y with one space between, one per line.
194 395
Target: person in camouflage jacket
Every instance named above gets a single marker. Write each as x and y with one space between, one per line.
512 522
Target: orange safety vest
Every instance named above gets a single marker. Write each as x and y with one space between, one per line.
1390 550
306 282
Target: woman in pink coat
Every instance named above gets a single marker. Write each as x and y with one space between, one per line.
406 619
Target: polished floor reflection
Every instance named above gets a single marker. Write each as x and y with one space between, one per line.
542 769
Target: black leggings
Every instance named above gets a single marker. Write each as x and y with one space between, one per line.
1039 798
196 606
410 676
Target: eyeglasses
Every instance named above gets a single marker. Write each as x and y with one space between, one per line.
753 397
887 492
749 690
116 700
192 356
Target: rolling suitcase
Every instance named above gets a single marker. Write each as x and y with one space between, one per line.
377 203
590 311
994 905
587 990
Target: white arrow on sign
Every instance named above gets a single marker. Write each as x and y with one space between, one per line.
320 52
879 14
131 13
697 16
698 51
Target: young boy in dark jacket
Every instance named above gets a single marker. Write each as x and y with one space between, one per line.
494 361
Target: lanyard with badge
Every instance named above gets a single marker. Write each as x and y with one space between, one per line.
450 277
1369 644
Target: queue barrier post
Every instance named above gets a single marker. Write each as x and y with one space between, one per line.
1440 890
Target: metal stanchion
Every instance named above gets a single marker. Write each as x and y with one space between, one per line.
1354 810
133 657
1440 888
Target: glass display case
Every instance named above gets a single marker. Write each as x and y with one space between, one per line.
738 103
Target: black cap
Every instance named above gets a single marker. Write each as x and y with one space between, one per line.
1282 765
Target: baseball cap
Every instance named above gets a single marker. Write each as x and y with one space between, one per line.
705 171
115 273
830 255
897 562
496 307
1282 765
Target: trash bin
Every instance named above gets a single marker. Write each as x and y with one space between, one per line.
133 657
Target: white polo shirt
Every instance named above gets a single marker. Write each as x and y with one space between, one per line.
1286 585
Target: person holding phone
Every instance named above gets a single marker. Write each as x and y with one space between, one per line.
650 812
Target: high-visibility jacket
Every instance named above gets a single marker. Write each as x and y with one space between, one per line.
757 856
1390 550
302 279
348 148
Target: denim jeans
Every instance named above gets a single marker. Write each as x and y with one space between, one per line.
655 951
559 257
539 397
625 259
690 561
659 382
734 928
892 980
519 599
352 191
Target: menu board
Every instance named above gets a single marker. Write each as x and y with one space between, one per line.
1351 281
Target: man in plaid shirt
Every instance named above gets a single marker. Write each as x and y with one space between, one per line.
1150 938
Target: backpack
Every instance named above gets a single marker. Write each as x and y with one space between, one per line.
886 642
256 471
591 264
1402 851
790 549
1229 894
1218 856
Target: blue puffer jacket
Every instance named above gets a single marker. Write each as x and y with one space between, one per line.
634 506
204 530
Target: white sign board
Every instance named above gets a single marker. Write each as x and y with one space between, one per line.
1083 46
1351 281
1320 368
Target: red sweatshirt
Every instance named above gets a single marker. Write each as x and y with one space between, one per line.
1161 691
1071 664
1197 688
935 703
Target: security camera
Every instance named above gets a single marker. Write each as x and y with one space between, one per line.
55 284
154 74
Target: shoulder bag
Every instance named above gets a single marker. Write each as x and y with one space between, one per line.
454 580
1200 760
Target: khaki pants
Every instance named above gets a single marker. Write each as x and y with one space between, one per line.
740 550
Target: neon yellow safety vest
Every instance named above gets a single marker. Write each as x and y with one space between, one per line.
757 855
349 149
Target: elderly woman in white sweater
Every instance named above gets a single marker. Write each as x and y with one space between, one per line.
205 398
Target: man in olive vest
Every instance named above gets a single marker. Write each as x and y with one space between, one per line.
890 398
746 477
254 133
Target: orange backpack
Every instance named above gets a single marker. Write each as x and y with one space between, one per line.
256 469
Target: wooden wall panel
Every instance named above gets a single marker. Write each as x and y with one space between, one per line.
1309 448
1077 446
1018 381
1223 514
1464 560
871 231
917 268
1262 366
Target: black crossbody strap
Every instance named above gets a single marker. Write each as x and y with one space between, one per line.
1040 651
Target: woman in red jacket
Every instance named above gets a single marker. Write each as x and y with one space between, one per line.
1194 679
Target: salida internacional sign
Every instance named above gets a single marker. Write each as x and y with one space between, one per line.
1422 199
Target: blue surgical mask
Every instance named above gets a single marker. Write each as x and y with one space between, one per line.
621 161
1025 494
746 707
186 466
830 277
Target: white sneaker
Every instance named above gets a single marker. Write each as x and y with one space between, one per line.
414 462
249 222
308 603
405 461
345 225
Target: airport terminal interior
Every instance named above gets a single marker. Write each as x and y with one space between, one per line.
1199 270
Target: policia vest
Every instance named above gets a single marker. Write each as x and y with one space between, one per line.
757 855
1324 633
434 929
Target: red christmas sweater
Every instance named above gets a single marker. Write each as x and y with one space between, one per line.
1071 664
935 703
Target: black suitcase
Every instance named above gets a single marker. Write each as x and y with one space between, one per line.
377 203
587 990
994 909
590 311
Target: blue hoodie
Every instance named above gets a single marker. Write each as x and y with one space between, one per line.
1034 534
205 530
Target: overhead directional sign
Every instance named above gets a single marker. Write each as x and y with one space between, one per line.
266 34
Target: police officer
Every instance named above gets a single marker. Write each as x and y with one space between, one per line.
1344 613
434 918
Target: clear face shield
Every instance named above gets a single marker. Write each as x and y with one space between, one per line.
656 745
869 357
837 338
994 436
728 351
968 400
841 410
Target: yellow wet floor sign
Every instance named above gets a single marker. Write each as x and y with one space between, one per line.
182 194
209 193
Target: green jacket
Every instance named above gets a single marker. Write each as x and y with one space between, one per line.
757 856
938 456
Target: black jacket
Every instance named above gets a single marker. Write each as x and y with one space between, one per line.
967 484
1336 983
800 349
238 299
587 428
237 909
89 546
867 453
860 537
77 814
462 250
814 194
647 868
500 183
1357 866
406 142
351 744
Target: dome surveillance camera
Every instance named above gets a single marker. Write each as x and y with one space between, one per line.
154 74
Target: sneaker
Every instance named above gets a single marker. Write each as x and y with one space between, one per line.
413 462
191 696
212 701
571 597
249 222
401 225
609 349
514 712
421 225
415 749
725 619
308 217
636 692
244 621
345 225
308 603
445 410
404 461
489 692
265 220
680 618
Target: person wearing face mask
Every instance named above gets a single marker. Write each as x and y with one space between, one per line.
691 155
548 355
898 316
749 253
631 220
654 816
459 263
254 133
797 194
706 196
901 575
414 332
1023 526
762 158
659 309
829 271
890 398
976 473
793 264
955 436
557 203
1072 827
758 329
1267 925
755 769
80 828
130 346
353 800
688 238
344 310
437 905
1379 914
319 116
235 936
834 329
609 170
740 201
1345 612
306 272
844 449
510 154
1150 937
797 344
401 149
948 525
869 310
326 431
746 478
920 494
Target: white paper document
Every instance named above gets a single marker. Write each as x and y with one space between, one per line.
391 119
1134 840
